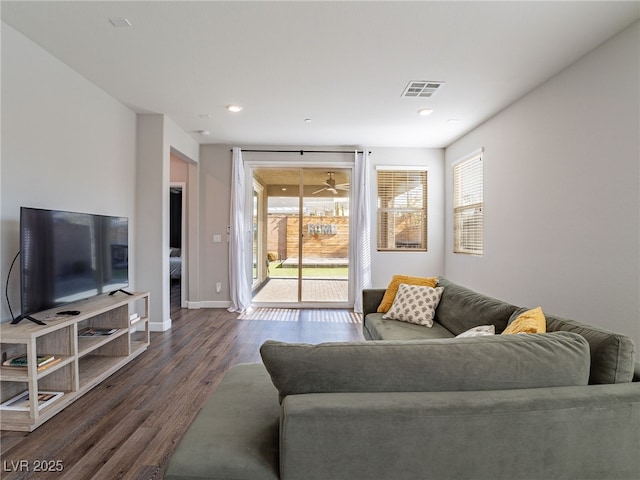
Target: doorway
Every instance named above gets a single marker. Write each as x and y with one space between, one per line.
301 236
177 233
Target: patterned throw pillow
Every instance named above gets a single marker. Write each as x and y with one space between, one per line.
392 289
415 304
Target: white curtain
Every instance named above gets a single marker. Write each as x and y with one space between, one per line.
362 219
239 287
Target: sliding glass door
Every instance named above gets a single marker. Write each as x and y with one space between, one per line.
325 235
306 230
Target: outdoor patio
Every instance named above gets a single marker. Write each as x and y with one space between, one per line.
285 290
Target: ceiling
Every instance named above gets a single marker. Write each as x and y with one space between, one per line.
285 182
343 65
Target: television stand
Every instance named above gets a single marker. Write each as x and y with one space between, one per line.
120 290
28 317
108 333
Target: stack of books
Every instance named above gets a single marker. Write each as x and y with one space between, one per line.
133 319
96 332
42 361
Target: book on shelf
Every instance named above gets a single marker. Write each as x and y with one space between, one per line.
42 361
134 318
21 402
96 332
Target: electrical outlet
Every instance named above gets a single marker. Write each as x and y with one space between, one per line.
218 287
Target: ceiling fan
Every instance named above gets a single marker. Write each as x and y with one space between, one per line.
330 185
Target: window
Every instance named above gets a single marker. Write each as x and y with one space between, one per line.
402 209
468 205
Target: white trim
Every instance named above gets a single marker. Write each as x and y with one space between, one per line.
215 304
160 326
476 153
209 304
399 168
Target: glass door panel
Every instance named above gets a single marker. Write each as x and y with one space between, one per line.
306 235
324 256
281 187
256 239
259 266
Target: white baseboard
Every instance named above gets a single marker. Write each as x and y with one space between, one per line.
216 304
208 304
160 326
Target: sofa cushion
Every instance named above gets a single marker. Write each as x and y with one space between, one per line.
612 354
376 327
465 364
415 304
235 435
529 321
461 309
392 288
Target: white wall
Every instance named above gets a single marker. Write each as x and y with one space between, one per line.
562 194
157 137
215 192
66 145
152 228
431 262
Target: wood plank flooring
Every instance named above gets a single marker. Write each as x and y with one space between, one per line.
128 426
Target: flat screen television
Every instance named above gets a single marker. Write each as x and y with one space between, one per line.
70 256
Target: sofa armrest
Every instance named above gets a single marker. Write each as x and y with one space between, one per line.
587 432
371 298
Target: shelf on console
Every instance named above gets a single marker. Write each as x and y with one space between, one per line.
87 345
22 375
94 368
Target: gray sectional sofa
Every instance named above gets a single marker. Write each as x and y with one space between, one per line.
417 403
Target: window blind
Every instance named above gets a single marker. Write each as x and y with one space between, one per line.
468 205
402 209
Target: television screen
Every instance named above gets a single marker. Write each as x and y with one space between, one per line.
69 256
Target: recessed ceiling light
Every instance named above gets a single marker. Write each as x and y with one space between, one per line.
120 22
307 120
205 115
204 133
453 121
234 108
425 111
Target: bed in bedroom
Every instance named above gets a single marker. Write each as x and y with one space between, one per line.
175 263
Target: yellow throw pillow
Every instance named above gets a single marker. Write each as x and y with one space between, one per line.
396 280
531 321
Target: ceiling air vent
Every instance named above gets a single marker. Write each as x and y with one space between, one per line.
421 89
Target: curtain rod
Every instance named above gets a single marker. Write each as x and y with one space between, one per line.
301 152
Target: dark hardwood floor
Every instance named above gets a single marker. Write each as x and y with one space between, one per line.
128 426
